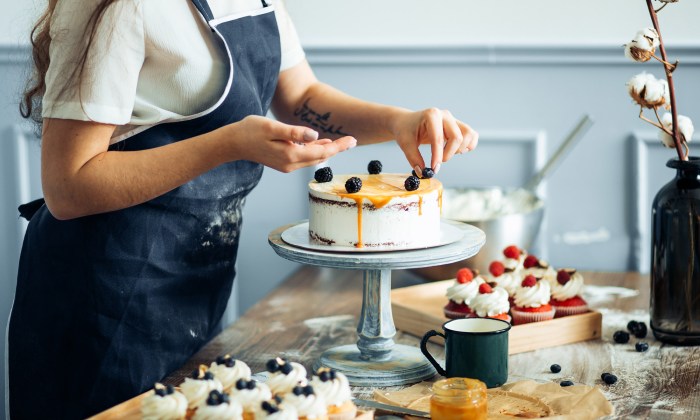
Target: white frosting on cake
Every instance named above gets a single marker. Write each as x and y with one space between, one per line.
251 398
491 304
225 411
197 390
309 406
229 375
389 215
534 296
464 292
509 280
572 288
280 383
167 407
334 391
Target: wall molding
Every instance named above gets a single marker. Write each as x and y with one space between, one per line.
496 54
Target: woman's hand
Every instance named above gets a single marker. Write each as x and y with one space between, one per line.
446 135
281 146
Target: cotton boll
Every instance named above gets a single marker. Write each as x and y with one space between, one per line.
685 126
651 36
643 46
648 91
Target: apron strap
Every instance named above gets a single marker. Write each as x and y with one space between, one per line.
204 9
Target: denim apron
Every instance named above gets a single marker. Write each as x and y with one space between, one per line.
108 304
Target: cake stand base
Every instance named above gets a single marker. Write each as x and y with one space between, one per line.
407 365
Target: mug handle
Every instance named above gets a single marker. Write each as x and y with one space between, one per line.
424 350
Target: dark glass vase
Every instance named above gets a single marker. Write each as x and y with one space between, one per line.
675 256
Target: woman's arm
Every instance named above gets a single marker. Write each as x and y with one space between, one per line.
81 177
301 99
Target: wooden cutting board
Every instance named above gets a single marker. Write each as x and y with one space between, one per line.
418 309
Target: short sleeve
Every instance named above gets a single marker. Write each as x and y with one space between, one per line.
292 52
106 91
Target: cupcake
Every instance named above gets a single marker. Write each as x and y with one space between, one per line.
197 388
334 387
460 294
229 370
491 302
308 405
515 257
164 403
538 268
273 410
250 394
566 293
284 375
219 406
532 302
505 277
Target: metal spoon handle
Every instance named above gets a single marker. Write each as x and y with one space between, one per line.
576 134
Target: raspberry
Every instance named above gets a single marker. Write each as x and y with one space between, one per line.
411 183
563 277
464 275
323 175
485 288
496 268
512 252
374 167
353 185
529 281
531 261
428 173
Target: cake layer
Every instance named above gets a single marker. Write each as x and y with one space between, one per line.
382 213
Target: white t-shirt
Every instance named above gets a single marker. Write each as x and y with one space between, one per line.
151 61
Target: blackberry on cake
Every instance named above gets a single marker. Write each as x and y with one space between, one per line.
323 175
374 167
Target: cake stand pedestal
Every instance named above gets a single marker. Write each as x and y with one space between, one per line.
376 360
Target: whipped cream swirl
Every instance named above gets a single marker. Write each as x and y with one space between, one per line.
533 297
311 406
197 390
334 391
491 304
280 383
250 399
283 413
572 288
509 280
168 407
224 411
229 375
464 292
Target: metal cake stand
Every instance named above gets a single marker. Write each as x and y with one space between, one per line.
376 360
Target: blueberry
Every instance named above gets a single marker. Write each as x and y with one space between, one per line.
241 384
160 391
411 183
603 375
641 330
353 185
333 374
641 346
374 167
169 389
621 337
272 365
308 390
195 374
251 384
632 326
214 398
230 362
286 368
277 399
270 408
221 360
298 390
428 173
566 383
555 368
208 376
323 175
609 378
325 376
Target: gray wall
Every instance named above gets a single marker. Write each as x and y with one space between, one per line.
522 100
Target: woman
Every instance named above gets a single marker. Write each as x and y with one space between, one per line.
154 132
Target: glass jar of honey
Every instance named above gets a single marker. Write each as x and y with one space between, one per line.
458 399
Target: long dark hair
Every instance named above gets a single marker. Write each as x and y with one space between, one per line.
30 106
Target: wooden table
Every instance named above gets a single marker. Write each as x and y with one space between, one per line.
317 308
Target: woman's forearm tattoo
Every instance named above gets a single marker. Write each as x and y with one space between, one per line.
320 122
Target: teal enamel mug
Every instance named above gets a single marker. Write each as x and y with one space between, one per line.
475 348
